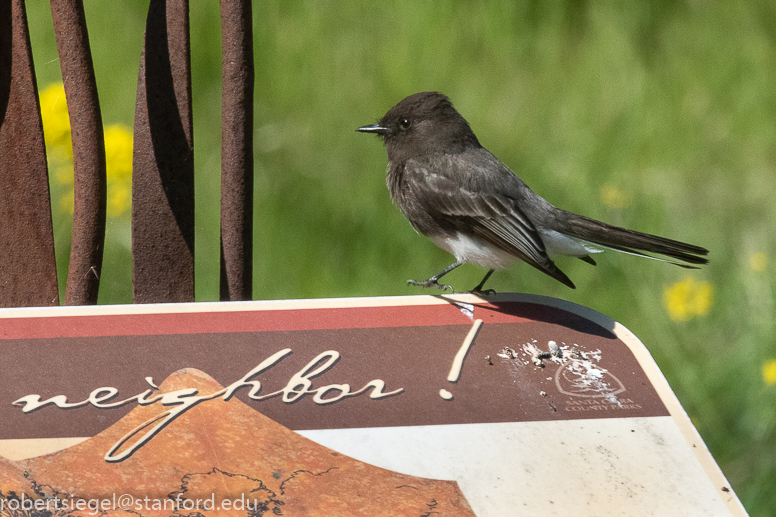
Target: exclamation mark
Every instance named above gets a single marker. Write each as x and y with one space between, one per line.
455 370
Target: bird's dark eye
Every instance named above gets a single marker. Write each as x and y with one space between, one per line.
405 123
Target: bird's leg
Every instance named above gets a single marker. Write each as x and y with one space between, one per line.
434 280
478 289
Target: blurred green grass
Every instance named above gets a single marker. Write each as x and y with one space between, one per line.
671 103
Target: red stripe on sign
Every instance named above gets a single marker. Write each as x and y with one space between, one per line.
245 321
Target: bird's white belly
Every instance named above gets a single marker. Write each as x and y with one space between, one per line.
471 249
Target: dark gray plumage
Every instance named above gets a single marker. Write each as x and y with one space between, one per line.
463 198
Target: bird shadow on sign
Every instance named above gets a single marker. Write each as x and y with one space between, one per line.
542 309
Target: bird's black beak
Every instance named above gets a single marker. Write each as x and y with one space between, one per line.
375 128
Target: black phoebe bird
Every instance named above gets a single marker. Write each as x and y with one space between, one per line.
455 192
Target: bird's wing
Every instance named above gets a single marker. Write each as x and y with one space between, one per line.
481 210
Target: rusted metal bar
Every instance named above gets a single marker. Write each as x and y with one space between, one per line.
163 160
28 271
237 151
75 61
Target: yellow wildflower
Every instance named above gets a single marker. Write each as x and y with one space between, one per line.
687 299
118 154
758 261
118 160
769 372
613 197
56 122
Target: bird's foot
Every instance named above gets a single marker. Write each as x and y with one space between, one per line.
479 290
431 282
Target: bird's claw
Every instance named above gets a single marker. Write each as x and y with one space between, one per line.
486 292
431 282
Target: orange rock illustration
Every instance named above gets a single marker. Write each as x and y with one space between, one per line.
219 458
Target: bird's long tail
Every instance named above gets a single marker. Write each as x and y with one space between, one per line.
630 241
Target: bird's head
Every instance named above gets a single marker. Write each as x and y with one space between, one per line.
422 124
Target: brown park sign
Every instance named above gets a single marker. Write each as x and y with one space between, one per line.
340 406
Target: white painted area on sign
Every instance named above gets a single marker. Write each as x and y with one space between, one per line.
599 467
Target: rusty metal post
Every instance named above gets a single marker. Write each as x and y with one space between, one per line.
75 60
163 160
28 271
237 151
